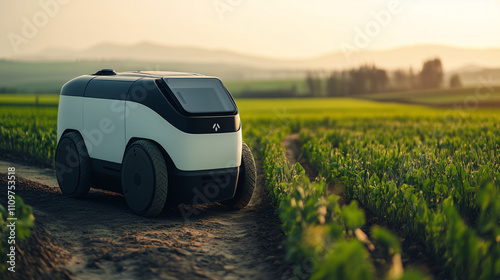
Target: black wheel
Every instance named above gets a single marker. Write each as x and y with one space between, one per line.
144 178
73 170
246 181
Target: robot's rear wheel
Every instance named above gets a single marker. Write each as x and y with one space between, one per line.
73 170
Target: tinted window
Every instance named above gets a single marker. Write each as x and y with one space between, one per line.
201 95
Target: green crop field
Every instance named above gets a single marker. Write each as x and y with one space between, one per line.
483 95
432 173
29 99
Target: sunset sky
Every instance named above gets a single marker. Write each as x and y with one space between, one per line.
274 28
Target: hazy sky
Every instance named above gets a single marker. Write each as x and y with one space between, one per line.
278 28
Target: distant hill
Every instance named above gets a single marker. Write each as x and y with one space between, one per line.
468 68
157 54
48 70
404 57
481 77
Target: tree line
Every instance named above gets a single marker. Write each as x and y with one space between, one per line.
371 79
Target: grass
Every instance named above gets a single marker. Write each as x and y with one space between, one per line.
294 107
26 99
319 108
425 163
26 128
439 96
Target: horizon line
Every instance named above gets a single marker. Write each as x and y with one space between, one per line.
215 49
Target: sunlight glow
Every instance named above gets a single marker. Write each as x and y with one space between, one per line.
278 28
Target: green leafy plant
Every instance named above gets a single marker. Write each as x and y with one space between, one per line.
443 190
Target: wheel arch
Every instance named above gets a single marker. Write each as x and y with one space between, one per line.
166 156
68 130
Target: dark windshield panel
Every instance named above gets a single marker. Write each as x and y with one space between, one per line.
201 95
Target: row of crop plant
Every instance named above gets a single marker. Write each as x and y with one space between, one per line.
438 181
320 235
29 131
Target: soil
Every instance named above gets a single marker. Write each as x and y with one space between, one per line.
20 158
100 238
413 253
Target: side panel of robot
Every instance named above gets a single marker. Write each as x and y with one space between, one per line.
189 152
69 114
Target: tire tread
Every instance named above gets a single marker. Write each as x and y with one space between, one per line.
85 168
161 177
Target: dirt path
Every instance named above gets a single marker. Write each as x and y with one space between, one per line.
99 238
413 254
293 147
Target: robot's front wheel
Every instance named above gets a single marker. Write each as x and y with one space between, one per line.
144 178
246 181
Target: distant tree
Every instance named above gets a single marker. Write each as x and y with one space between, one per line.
432 74
379 80
455 81
7 90
293 90
401 79
332 85
357 81
413 79
344 84
366 79
313 81
405 79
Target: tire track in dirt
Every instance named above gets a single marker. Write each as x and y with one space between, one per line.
100 238
413 253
